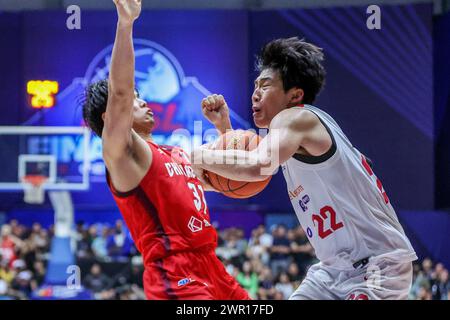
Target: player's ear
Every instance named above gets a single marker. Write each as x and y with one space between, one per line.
103 116
296 96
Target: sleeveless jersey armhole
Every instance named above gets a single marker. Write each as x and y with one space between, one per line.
129 193
324 157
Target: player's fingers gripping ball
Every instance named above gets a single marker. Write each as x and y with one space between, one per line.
237 140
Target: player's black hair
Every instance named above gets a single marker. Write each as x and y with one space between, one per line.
299 64
94 105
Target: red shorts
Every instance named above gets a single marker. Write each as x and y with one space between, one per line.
193 275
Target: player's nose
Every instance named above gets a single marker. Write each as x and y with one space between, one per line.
255 96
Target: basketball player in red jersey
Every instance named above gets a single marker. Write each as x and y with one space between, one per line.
155 188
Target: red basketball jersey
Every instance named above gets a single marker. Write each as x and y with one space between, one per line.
167 211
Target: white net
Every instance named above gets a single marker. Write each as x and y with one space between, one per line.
34 192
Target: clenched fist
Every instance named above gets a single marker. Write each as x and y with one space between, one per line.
215 109
128 10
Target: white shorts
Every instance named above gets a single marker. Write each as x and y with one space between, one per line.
383 280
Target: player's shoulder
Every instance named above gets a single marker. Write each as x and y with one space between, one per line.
296 118
176 153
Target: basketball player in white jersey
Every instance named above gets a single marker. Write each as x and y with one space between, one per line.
339 201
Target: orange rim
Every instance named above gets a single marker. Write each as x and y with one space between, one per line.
35 180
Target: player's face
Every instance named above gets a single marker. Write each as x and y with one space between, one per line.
269 97
142 115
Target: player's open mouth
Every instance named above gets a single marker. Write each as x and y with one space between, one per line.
256 110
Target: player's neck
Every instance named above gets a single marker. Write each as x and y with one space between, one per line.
147 136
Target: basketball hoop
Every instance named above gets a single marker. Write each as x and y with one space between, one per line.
34 189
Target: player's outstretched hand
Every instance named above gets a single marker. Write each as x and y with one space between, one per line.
198 170
128 10
203 177
215 109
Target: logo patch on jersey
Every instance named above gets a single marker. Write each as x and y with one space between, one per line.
303 202
195 224
309 232
185 281
296 192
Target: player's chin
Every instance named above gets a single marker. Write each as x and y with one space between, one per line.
149 122
260 123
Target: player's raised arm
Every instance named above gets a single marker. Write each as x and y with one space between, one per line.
289 130
118 119
215 109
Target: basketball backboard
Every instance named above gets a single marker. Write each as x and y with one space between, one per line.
60 154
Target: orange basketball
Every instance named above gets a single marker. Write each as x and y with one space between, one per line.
237 140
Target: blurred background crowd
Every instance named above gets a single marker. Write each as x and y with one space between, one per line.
269 264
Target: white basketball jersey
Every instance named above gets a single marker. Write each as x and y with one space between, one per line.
342 206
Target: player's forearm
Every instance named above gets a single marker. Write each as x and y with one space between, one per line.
237 165
223 126
121 74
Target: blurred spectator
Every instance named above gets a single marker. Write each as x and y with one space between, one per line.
36 246
6 273
241 242
84 245
441 286
423 294
234 245
137 270
427 267
96 281
301 249
280 250
119 243
262 241
4 286
284 285
230 267
265 238
293 272
9 243
257 265
266 284
39 274
18 266
419 281
38 236
278 295
99 245
248 279
438 269
22 283
256 250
